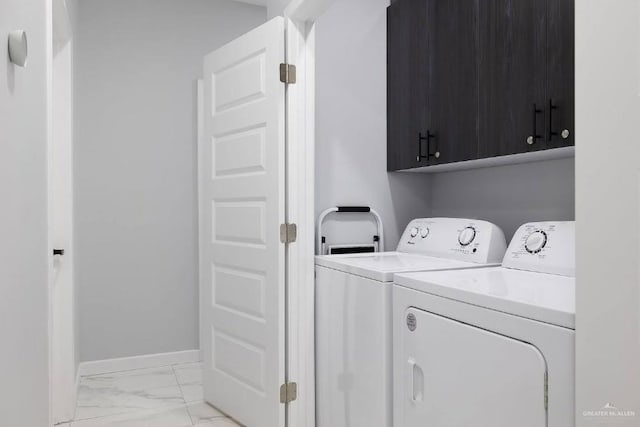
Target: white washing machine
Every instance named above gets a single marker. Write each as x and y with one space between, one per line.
490 347
353 314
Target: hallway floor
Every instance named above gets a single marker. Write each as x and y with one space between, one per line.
167 396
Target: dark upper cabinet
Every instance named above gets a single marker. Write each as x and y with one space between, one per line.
560 71
427 123
452 119
512 76
407 100
470 79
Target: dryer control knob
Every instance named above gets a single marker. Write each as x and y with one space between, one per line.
424 232
414 231
535 242
466 236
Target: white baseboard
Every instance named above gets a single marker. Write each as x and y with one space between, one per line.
75 394
98 367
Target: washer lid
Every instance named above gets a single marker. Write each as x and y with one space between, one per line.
381 266
539 296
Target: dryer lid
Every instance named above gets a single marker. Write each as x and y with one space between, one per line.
543 297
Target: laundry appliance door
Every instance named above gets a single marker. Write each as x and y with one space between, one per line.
353 350
457 375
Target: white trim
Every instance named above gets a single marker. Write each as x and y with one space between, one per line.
74 396
301 15
137 362
50 272
202 264
300 154
61 31
62 345
75 391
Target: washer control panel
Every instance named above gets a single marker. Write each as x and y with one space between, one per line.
460 239
544 247
467 236
536 241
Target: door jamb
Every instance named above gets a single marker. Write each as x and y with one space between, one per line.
300 210
300 17
63 372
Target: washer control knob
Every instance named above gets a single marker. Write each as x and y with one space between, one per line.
535 242
414 231
466 236
424 232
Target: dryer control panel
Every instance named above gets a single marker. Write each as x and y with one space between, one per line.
460 239
544 247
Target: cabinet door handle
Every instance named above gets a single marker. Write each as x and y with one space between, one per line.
431 136
552 107
420 139
534 136
426 138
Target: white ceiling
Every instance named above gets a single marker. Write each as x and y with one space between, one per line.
256 2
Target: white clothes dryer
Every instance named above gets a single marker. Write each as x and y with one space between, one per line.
353 313
490 347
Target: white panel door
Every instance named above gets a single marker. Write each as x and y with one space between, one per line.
458 375
242 206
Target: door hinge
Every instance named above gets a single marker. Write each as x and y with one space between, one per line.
288 73
288 392
546 390
288 233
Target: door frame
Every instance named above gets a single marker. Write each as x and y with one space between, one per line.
299 209
300 19
62 322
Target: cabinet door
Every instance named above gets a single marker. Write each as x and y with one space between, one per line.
512 68
561 71
407 102
453 80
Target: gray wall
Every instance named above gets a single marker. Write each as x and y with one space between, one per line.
509 196
24 252
135 159
351 128
276 7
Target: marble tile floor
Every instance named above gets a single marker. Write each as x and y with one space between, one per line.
167 396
